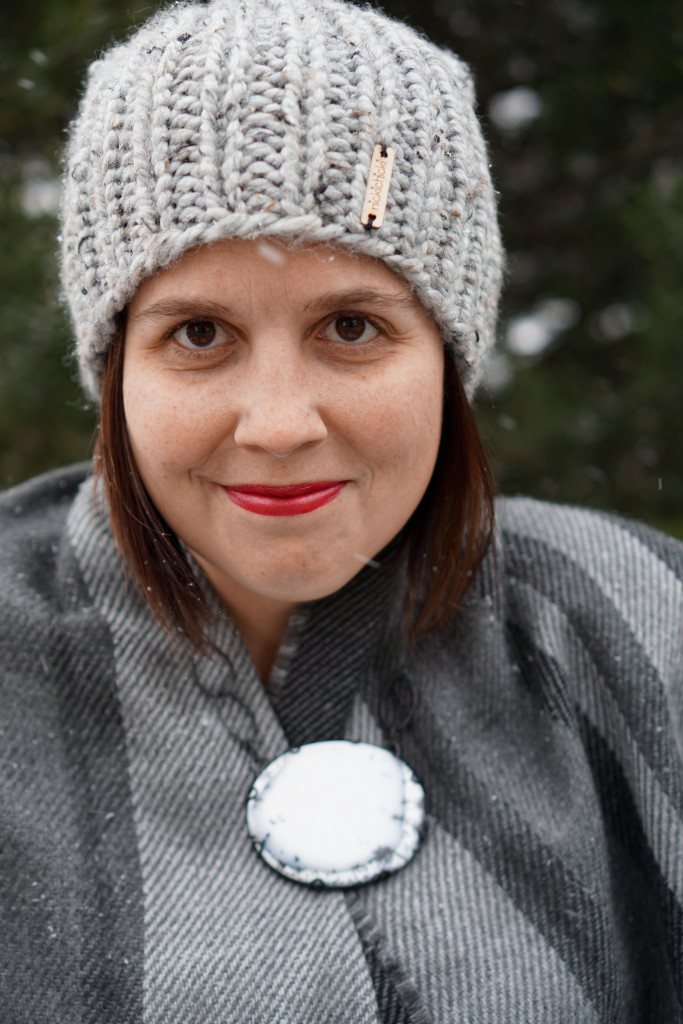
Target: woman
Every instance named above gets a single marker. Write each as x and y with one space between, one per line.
280 252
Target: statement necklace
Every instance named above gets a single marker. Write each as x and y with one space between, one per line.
336 813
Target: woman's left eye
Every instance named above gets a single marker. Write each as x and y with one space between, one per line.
198 335
350 329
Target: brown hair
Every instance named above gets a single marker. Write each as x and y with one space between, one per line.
447 536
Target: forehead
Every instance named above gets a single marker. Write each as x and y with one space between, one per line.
266 268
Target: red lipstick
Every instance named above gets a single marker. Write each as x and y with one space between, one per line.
292 500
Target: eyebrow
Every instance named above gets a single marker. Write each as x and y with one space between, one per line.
181 309
362 297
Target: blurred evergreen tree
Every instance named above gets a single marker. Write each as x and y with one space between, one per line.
591 186
45 49
582 106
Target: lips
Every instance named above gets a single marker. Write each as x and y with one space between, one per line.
290 500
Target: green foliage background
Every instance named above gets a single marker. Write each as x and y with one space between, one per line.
591 208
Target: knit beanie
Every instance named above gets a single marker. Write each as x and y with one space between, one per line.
253 118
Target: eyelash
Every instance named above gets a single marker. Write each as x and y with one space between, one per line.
364 347
368 321
201 350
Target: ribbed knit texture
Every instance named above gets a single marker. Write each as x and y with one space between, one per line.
250 118
546 730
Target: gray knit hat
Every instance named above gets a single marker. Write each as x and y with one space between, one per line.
248 118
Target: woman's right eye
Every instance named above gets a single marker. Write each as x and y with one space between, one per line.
198 335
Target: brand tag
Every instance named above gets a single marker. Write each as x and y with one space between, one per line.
377 192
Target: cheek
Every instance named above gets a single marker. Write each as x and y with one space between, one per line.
404 418
166 431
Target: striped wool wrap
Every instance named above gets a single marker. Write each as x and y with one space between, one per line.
546 727
252 118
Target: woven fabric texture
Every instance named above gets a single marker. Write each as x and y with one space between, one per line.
547 730
252 118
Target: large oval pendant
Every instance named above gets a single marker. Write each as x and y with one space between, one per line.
336 813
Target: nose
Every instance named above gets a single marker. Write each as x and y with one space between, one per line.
280 410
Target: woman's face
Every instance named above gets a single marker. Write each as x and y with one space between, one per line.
284 408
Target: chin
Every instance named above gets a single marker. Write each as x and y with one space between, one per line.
304 577
300 587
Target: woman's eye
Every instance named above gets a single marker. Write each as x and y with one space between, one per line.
199 334
350 329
